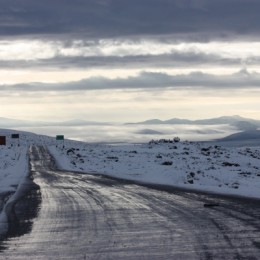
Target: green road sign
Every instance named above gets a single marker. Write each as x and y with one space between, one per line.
60 137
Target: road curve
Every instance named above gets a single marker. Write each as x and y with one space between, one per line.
82 216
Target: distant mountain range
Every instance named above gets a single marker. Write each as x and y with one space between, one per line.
242 123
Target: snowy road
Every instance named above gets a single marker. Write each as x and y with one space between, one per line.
91 217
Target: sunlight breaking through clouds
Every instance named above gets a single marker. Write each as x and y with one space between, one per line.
37 49
55 51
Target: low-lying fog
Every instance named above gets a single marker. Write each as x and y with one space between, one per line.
135 133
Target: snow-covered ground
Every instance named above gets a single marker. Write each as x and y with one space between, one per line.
192 165
14 168
14 158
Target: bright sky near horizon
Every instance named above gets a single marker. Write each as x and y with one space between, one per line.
121 60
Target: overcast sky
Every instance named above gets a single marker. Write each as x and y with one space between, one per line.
122 60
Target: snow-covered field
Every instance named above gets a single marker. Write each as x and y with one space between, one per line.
13 167
192 165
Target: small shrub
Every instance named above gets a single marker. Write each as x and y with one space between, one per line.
112 158
176 139
72 150
167 163
192 174
230 164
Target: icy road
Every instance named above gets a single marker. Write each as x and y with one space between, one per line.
82 216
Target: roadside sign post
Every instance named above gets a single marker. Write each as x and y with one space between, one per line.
60 138
2 140
16 136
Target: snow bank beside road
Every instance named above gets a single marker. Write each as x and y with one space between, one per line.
190 165
13 167
13 173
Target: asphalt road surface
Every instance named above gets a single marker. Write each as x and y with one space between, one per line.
81 216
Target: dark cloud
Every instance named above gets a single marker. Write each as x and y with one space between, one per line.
199 19
148 80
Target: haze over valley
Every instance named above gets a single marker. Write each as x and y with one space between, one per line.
93 131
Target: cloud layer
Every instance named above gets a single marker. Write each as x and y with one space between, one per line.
147 80
197 19
96 55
